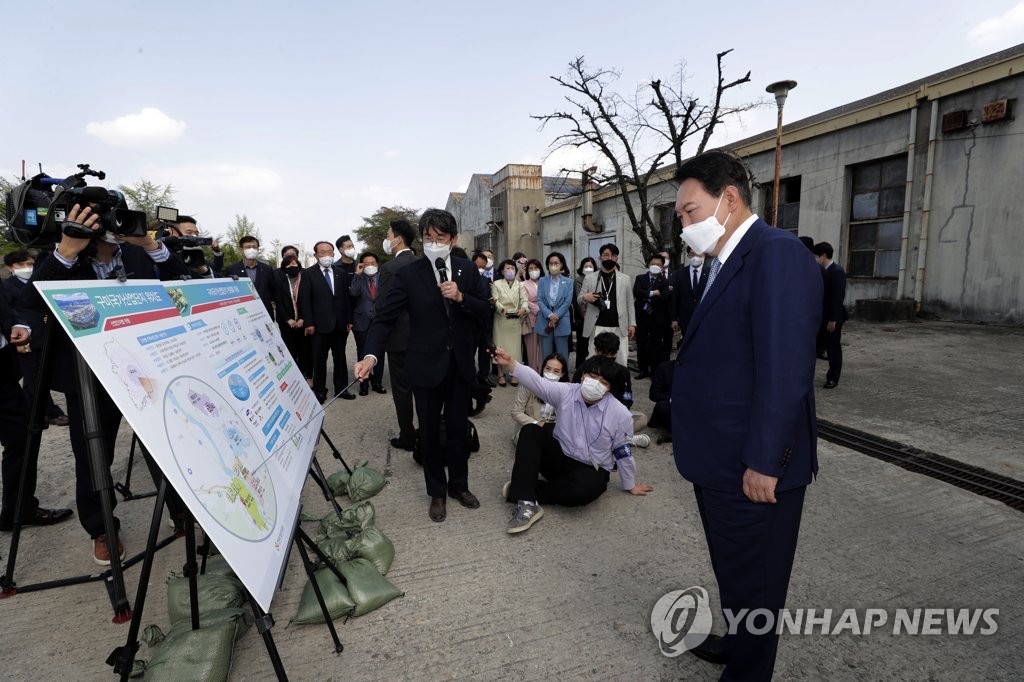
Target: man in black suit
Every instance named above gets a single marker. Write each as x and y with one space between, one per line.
21 263
101 257
687 287
652 297
398 243
14 430
447 303
365 288
261 274
326 312
833 311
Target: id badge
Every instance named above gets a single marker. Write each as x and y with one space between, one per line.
607 304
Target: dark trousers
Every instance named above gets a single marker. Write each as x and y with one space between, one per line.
87 497
334 343
452 397
300 346
569 483
833 346
661 416
377 376
29 365
13 435
752 547
483 362
401 395
653 339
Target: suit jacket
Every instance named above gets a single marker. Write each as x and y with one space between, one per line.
265 282
563 300
660 304
433 334
137 265
684 298
833 309
623 303
320 307
14 292
365 307
9 373
750 346
399 337
284 307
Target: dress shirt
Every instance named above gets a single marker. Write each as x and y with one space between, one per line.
587 433
103 270
730 245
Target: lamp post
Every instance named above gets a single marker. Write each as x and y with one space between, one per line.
780 89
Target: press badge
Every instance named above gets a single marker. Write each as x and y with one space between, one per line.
607 304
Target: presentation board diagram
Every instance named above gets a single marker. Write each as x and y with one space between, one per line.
201 374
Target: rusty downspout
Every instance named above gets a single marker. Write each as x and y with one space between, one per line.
907 197
926 208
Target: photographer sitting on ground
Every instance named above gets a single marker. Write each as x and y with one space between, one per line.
101 257
527 408
577 453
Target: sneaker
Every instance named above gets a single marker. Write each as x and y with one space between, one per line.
641 440
100 552
504 490
525 515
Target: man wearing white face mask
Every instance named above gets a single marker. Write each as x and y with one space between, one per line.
750 450
327 314
576 456
347 252
364 290
261 274
687 287
652 297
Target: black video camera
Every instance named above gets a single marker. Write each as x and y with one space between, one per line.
38 208
188 247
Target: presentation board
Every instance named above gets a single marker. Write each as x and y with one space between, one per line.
201 374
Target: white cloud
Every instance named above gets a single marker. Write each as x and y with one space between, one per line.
218 178
1005 29
150 127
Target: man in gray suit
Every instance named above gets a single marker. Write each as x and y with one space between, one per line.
607 300
364 290
398 243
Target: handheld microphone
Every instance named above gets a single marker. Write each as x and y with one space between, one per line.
442 269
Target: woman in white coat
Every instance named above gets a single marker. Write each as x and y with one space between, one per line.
511 306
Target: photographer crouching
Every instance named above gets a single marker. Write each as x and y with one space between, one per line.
88 250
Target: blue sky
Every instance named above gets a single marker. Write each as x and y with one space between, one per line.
308 115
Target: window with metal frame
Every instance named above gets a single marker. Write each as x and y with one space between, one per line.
876 218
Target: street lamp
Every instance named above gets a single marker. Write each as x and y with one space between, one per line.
780 89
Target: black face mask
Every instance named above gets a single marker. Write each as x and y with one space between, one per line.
608 264
292 271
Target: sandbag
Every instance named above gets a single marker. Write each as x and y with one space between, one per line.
337 547
187 654
338 483
217 565
353 520
367 587
373 545
214 592
364 483
336 598
243 618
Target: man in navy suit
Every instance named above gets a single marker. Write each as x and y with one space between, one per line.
325 306
833 311
750 450
261 274
364 289
687 287
447 302
652 295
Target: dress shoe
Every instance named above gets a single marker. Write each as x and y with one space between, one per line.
380 389
831 384
712 650
345 395
38 517
821 355
321 398
642 375
59 420
403 444
438 509
101 553
466 499
364 389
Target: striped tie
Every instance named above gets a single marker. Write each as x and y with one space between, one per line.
716 265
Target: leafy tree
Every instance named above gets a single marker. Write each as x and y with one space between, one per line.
6 245
144 195
242 226
375 227
636 135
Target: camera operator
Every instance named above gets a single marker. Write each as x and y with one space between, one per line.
181 240
103 256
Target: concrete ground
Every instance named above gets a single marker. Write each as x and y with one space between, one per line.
571 598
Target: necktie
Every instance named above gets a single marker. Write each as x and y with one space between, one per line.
327 276
373 289
716 265
696 280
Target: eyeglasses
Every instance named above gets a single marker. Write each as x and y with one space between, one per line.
434 242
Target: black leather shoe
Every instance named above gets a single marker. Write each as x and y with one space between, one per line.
345 395
403 444
38 517
364 389
712 650
466 499
380 389
321 398
821 355
438 509
831 384
642 375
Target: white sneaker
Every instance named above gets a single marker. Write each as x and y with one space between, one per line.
504 490
641 440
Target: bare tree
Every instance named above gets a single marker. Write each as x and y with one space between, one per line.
636 138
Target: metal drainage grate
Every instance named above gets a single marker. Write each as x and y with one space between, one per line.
973 479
